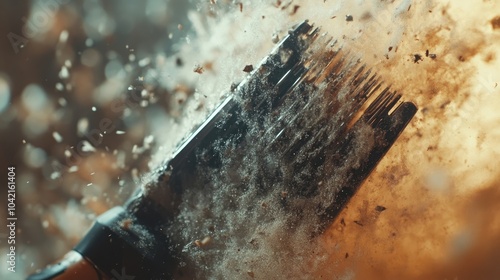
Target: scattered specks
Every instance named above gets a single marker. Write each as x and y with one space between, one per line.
276 38
390 48
73 169
200 106
87 147
233 87
63 37
203 243
349 18
248 68
67 153
135 174
144 62
253 242
430 55
286 5
89 42
179 62
59 86
433 55
64 73
198 69
57 136
126 224
444 104
68 63
417 57
62 102
55 175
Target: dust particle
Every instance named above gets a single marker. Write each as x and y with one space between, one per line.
495 22
179 62
198 69
248 68
417 57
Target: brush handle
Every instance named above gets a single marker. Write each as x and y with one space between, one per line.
115 247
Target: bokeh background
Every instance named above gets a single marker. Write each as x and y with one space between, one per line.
154 68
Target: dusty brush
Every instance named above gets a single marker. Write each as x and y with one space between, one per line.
297 136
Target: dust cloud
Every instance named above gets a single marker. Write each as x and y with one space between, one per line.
427 212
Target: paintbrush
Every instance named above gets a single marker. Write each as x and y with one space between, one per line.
298 136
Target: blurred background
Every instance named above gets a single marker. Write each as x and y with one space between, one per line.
94 94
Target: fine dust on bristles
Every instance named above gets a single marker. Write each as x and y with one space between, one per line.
437 186
262 206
